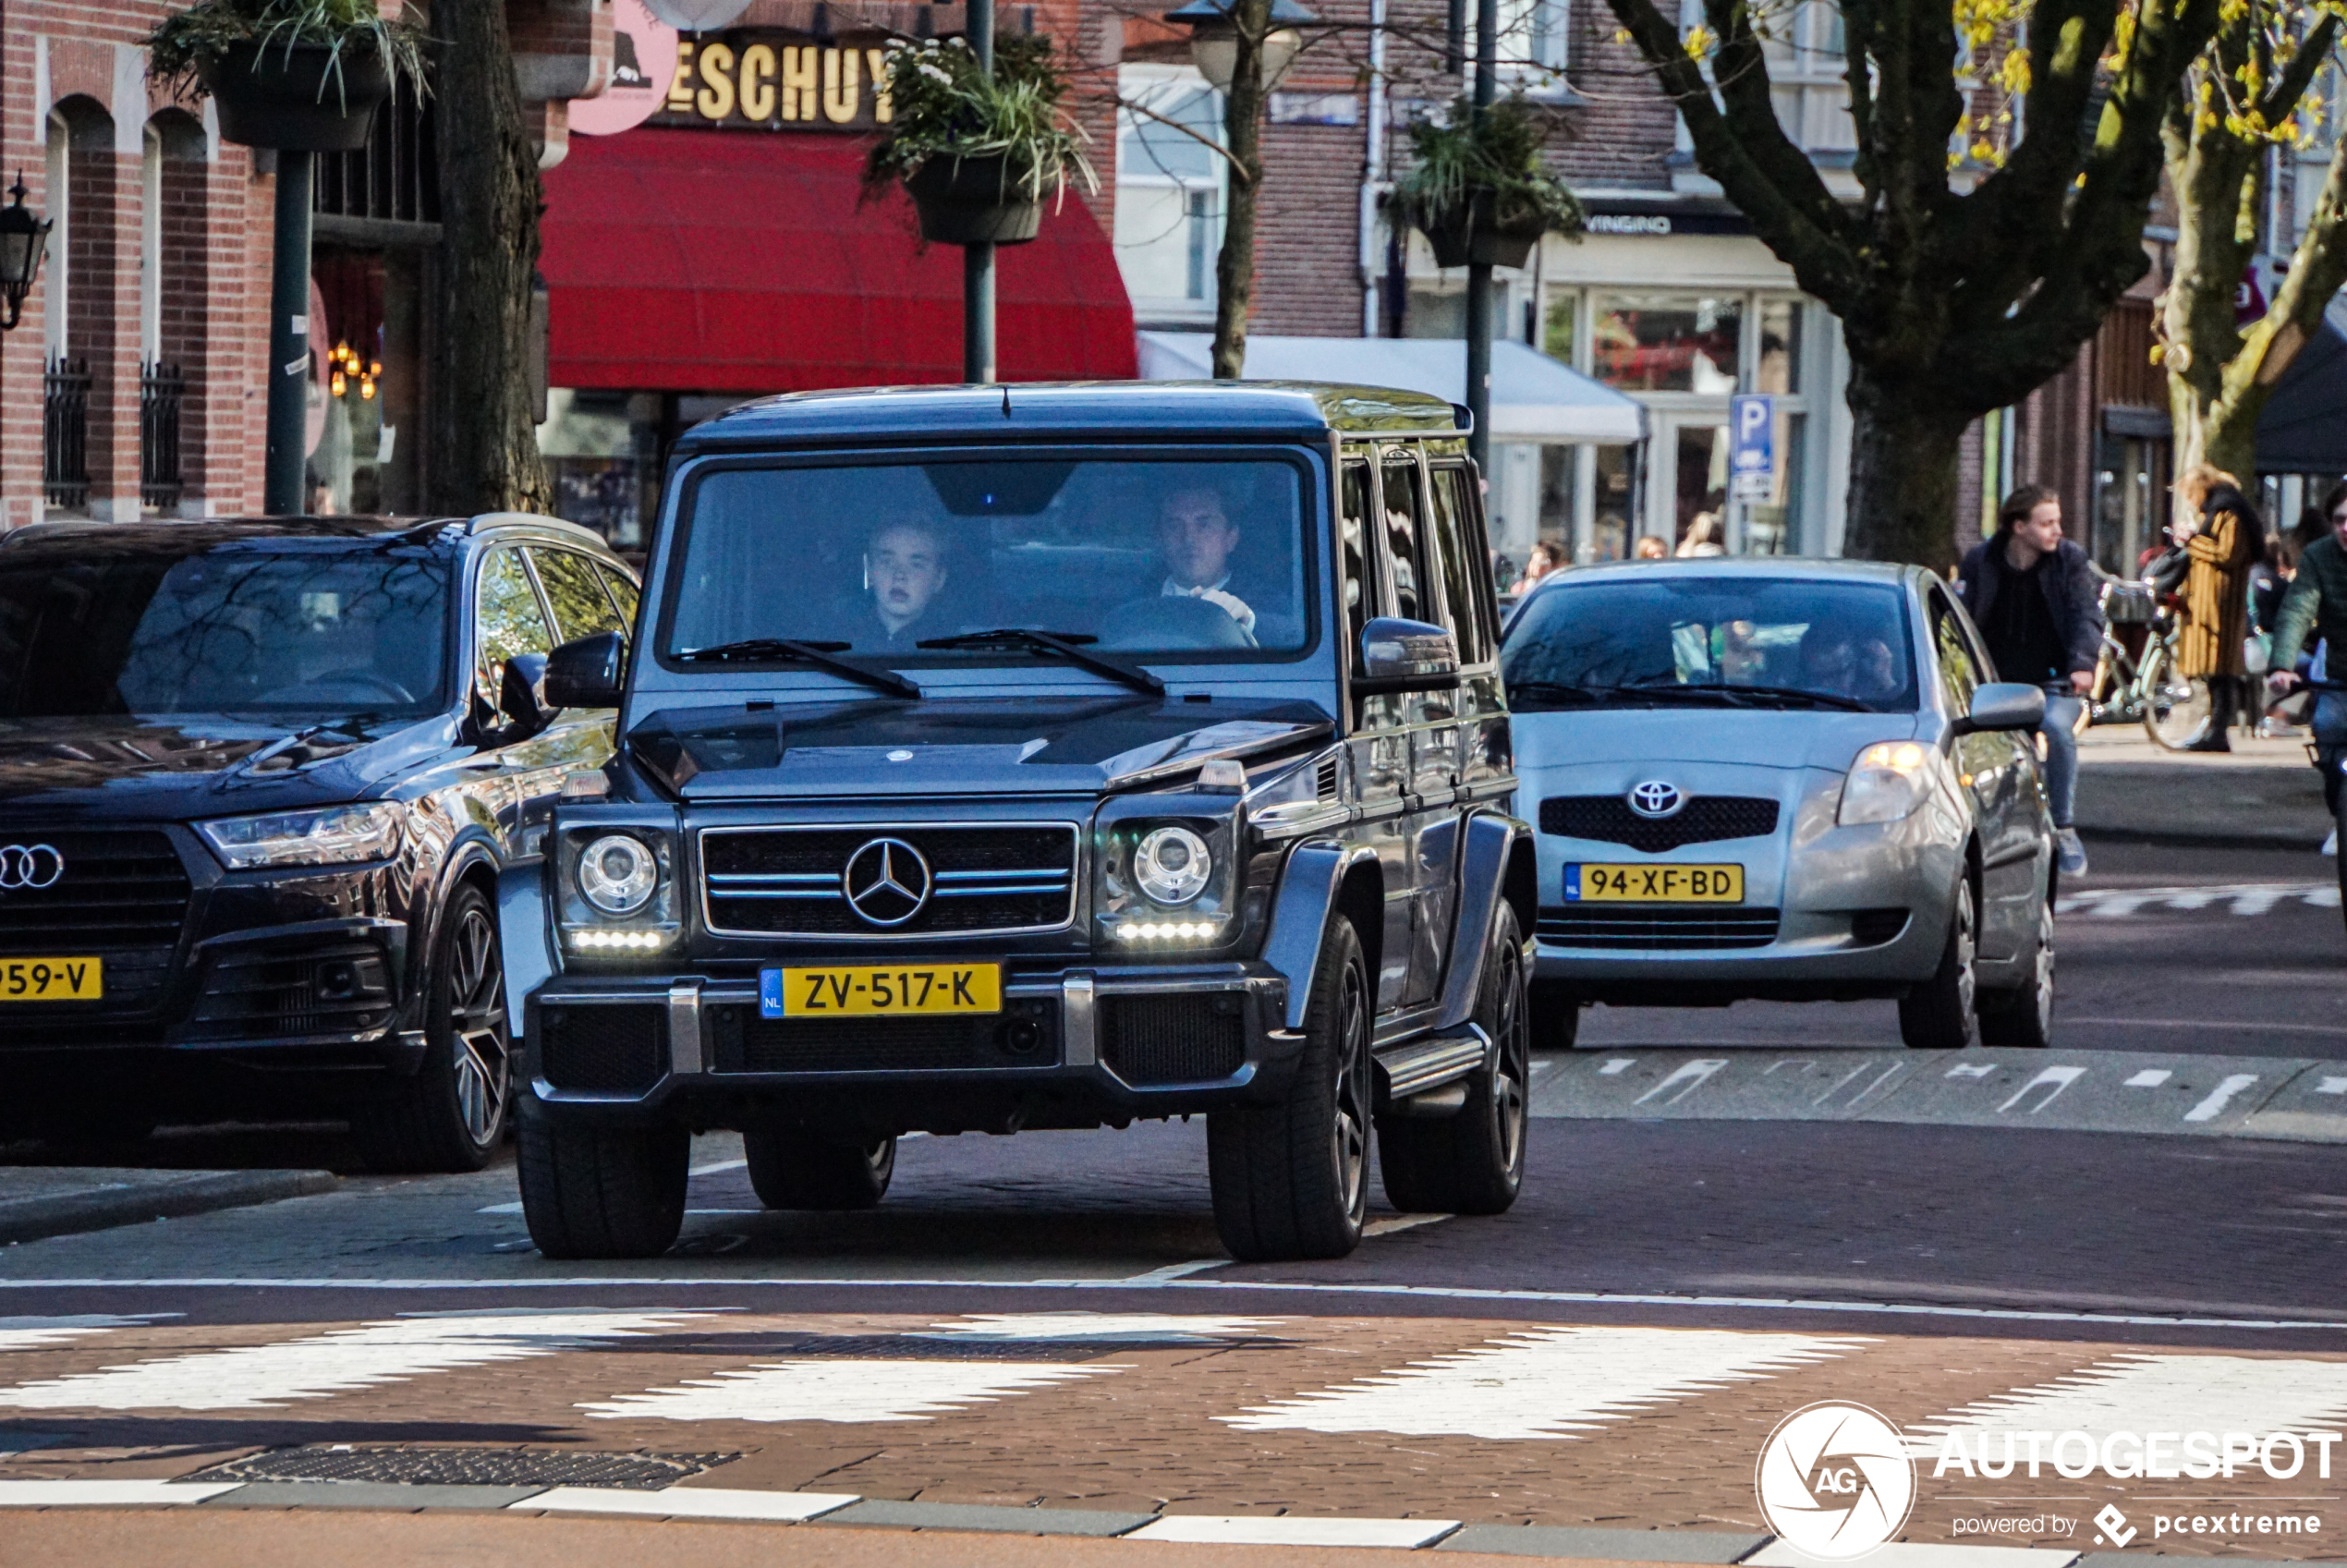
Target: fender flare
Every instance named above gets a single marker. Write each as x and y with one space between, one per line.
1309 886
463 858
1498 866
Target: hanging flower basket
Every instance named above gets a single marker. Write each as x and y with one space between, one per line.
1467 235
302 98
971 201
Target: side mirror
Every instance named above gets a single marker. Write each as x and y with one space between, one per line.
522 694
2004 705
1399 655
586 674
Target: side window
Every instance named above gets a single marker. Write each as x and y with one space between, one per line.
623 594
1958 671
1463 566
1415 586
511 622
582 607
1352 529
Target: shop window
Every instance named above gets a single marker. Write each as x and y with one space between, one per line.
597 448
1169 189
1667 342
1779 369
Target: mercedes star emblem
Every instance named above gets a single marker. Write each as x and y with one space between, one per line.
886 882
1655 799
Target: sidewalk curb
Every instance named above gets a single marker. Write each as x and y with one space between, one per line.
31 1218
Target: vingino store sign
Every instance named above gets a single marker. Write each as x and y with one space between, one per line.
1836 1481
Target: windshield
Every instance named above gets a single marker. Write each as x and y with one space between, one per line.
1187 556
1715 639
235 631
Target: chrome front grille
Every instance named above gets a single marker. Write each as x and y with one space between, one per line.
986 879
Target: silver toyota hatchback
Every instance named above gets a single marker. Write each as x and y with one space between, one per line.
1781 779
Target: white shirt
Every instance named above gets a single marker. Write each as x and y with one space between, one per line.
1218 593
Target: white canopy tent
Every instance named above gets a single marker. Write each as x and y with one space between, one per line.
1533 397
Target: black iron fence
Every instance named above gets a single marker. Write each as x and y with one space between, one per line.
162 390
64 434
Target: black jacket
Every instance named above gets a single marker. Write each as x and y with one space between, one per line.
2072 595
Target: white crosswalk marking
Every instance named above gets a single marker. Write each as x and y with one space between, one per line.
1544 1382
2161 1393
2241 898
852 1392
261 1376
1097 1326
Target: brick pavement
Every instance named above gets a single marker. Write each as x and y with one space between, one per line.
1650 1428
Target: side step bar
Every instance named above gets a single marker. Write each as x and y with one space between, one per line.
1431 1060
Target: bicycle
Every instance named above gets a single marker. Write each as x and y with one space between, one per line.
2175 710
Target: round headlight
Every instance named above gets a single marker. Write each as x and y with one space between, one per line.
618 873
1171 865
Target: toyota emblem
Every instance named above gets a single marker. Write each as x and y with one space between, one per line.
1655 799
30 865
886 882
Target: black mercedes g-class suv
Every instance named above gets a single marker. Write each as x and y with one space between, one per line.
1042 757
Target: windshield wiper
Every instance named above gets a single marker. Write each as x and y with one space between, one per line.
1554 691
782 649
1064 644
1802 694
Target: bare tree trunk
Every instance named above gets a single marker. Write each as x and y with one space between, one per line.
485 455
1243 130
1903 472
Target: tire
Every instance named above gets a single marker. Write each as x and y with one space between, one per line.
1472 1161
1939 1013
2179 712
790 1171
450 1116
2025 1017
1555 1017
603 1192
1290 1180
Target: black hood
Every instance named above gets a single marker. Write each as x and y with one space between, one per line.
999 745
199 765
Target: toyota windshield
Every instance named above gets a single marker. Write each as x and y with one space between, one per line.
1167 558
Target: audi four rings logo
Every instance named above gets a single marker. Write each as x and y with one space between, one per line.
30 865
886 882
1655 799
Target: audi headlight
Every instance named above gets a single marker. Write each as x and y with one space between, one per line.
1886 783
337 835
617 875
1171 865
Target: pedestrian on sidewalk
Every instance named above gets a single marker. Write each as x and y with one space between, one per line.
2209 644
2034 595
2317 604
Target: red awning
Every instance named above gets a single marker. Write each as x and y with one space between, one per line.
690 261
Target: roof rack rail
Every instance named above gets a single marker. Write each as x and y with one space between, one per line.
533 520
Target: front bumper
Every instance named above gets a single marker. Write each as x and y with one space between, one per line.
1076 1046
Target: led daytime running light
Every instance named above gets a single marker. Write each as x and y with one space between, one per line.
617 942
1167 931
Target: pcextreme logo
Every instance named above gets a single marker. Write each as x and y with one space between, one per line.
1834 1480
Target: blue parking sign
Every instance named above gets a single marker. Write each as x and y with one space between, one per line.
1752 418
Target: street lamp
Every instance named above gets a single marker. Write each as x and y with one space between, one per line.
24 237
1214 40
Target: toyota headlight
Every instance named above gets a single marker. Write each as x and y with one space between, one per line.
337 835
618 873
1887 783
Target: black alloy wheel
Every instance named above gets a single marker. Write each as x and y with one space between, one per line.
450 1116
1290 1180
792 1170
1472 1161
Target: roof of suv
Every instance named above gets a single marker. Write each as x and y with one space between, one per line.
1023 411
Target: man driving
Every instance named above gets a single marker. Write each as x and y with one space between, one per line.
905 569
1196 536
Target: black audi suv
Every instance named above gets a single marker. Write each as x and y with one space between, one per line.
261 783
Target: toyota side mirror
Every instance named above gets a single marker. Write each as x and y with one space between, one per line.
2004 705
1399 655
586 673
